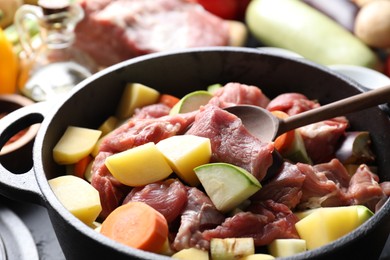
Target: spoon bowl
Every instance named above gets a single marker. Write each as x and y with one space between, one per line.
265 126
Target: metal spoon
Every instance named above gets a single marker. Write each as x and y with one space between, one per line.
264 125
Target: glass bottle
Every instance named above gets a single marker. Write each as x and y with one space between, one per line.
51 65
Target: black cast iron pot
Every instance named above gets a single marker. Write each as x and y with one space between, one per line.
179 73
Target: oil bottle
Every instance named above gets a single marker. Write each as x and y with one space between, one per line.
51 64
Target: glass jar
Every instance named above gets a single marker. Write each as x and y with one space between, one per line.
51 64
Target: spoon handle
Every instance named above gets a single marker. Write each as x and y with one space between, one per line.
339 108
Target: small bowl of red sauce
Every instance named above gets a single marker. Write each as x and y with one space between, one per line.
15 153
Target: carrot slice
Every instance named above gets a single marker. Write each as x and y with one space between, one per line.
81 166
168 100
137 225
283 141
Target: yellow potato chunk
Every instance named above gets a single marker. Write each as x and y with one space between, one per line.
108 125
134 96
286 247
77 196
258 257
166 249
96 147
184 153
75 144
96 226
325 225
190 254
88 172
139 166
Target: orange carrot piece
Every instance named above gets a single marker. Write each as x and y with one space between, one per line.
283 141
168 100
81 166
137 225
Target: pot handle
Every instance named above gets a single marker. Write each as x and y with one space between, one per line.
23 186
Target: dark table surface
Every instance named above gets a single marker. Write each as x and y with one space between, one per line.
37 221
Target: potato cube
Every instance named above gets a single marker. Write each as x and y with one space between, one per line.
325 225
77 196
75 144
286 247
139 166
184 153
108 125
258 257
191 253
135 96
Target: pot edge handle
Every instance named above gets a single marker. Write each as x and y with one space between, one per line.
21 186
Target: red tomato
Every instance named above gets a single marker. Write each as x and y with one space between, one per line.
387 66
226 9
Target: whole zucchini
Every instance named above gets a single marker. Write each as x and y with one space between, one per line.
296 26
